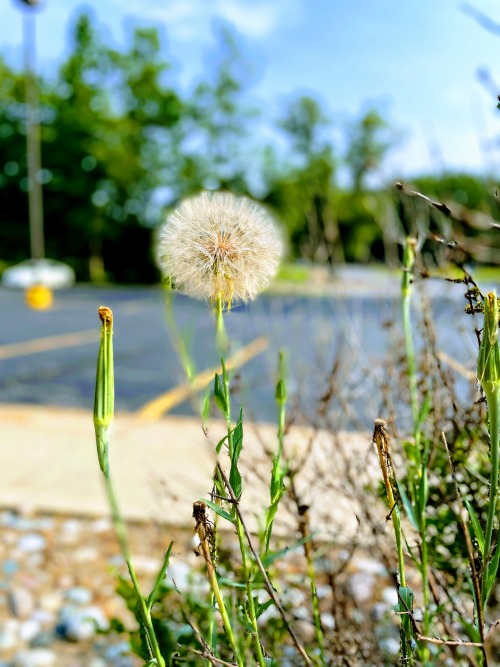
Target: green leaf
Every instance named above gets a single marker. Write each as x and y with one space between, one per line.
491 573
159 579
271 556
423 492
406 601
424 411
220 443
471 631
407 505
219 510
220 395
246 623
224 581
205 411
261 608
234 473
277 477
478 531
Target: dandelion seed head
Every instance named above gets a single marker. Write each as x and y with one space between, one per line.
219 246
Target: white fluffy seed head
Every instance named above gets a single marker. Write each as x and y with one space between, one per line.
219 246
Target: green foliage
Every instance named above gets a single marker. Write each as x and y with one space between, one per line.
121 144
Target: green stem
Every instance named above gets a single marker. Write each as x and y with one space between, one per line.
494 428
250 601
222 609
311 573
406 290
121 534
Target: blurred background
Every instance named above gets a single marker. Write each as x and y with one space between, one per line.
313 109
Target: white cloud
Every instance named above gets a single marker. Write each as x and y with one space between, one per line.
253 21
188 19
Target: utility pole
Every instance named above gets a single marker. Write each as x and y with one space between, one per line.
33 151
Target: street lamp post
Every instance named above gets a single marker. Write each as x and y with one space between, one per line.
35 198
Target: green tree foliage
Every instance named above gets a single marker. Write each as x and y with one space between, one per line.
14 238
370 138
215 144
121 145
302 190
105 128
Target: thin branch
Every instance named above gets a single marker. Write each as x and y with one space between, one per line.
468 542
206 653
210 657
267 581
475 219
448 642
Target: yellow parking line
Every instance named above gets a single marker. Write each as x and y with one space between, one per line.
48 343
164 403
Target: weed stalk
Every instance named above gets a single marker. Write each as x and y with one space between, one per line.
103 418
488 372
420 485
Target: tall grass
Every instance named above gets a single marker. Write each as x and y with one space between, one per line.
444 549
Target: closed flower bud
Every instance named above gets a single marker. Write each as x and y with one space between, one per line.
488 363
104 403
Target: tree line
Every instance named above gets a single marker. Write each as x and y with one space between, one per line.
122 145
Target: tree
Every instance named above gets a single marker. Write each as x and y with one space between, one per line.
302 190
370 138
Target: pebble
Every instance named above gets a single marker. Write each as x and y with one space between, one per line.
77 624
100 526
390 645
390 595
29 629
79 595
361 585
328 621
42 639
85 554
21 603
9 630
10 567
31 542
35 657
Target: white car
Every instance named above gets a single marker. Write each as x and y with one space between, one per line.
47 272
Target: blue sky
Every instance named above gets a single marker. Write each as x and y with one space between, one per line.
417 61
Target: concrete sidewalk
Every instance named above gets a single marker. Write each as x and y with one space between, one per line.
48 463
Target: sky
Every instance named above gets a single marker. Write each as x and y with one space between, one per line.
417 62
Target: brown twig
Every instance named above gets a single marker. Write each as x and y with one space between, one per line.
206 653
267 581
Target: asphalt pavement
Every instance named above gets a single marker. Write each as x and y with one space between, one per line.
161 458
48 357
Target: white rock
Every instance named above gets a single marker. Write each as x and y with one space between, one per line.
79 595
29 629
390 595
36 657
84 623
31 542
328 621
361 585
85 554
21 602
9 632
